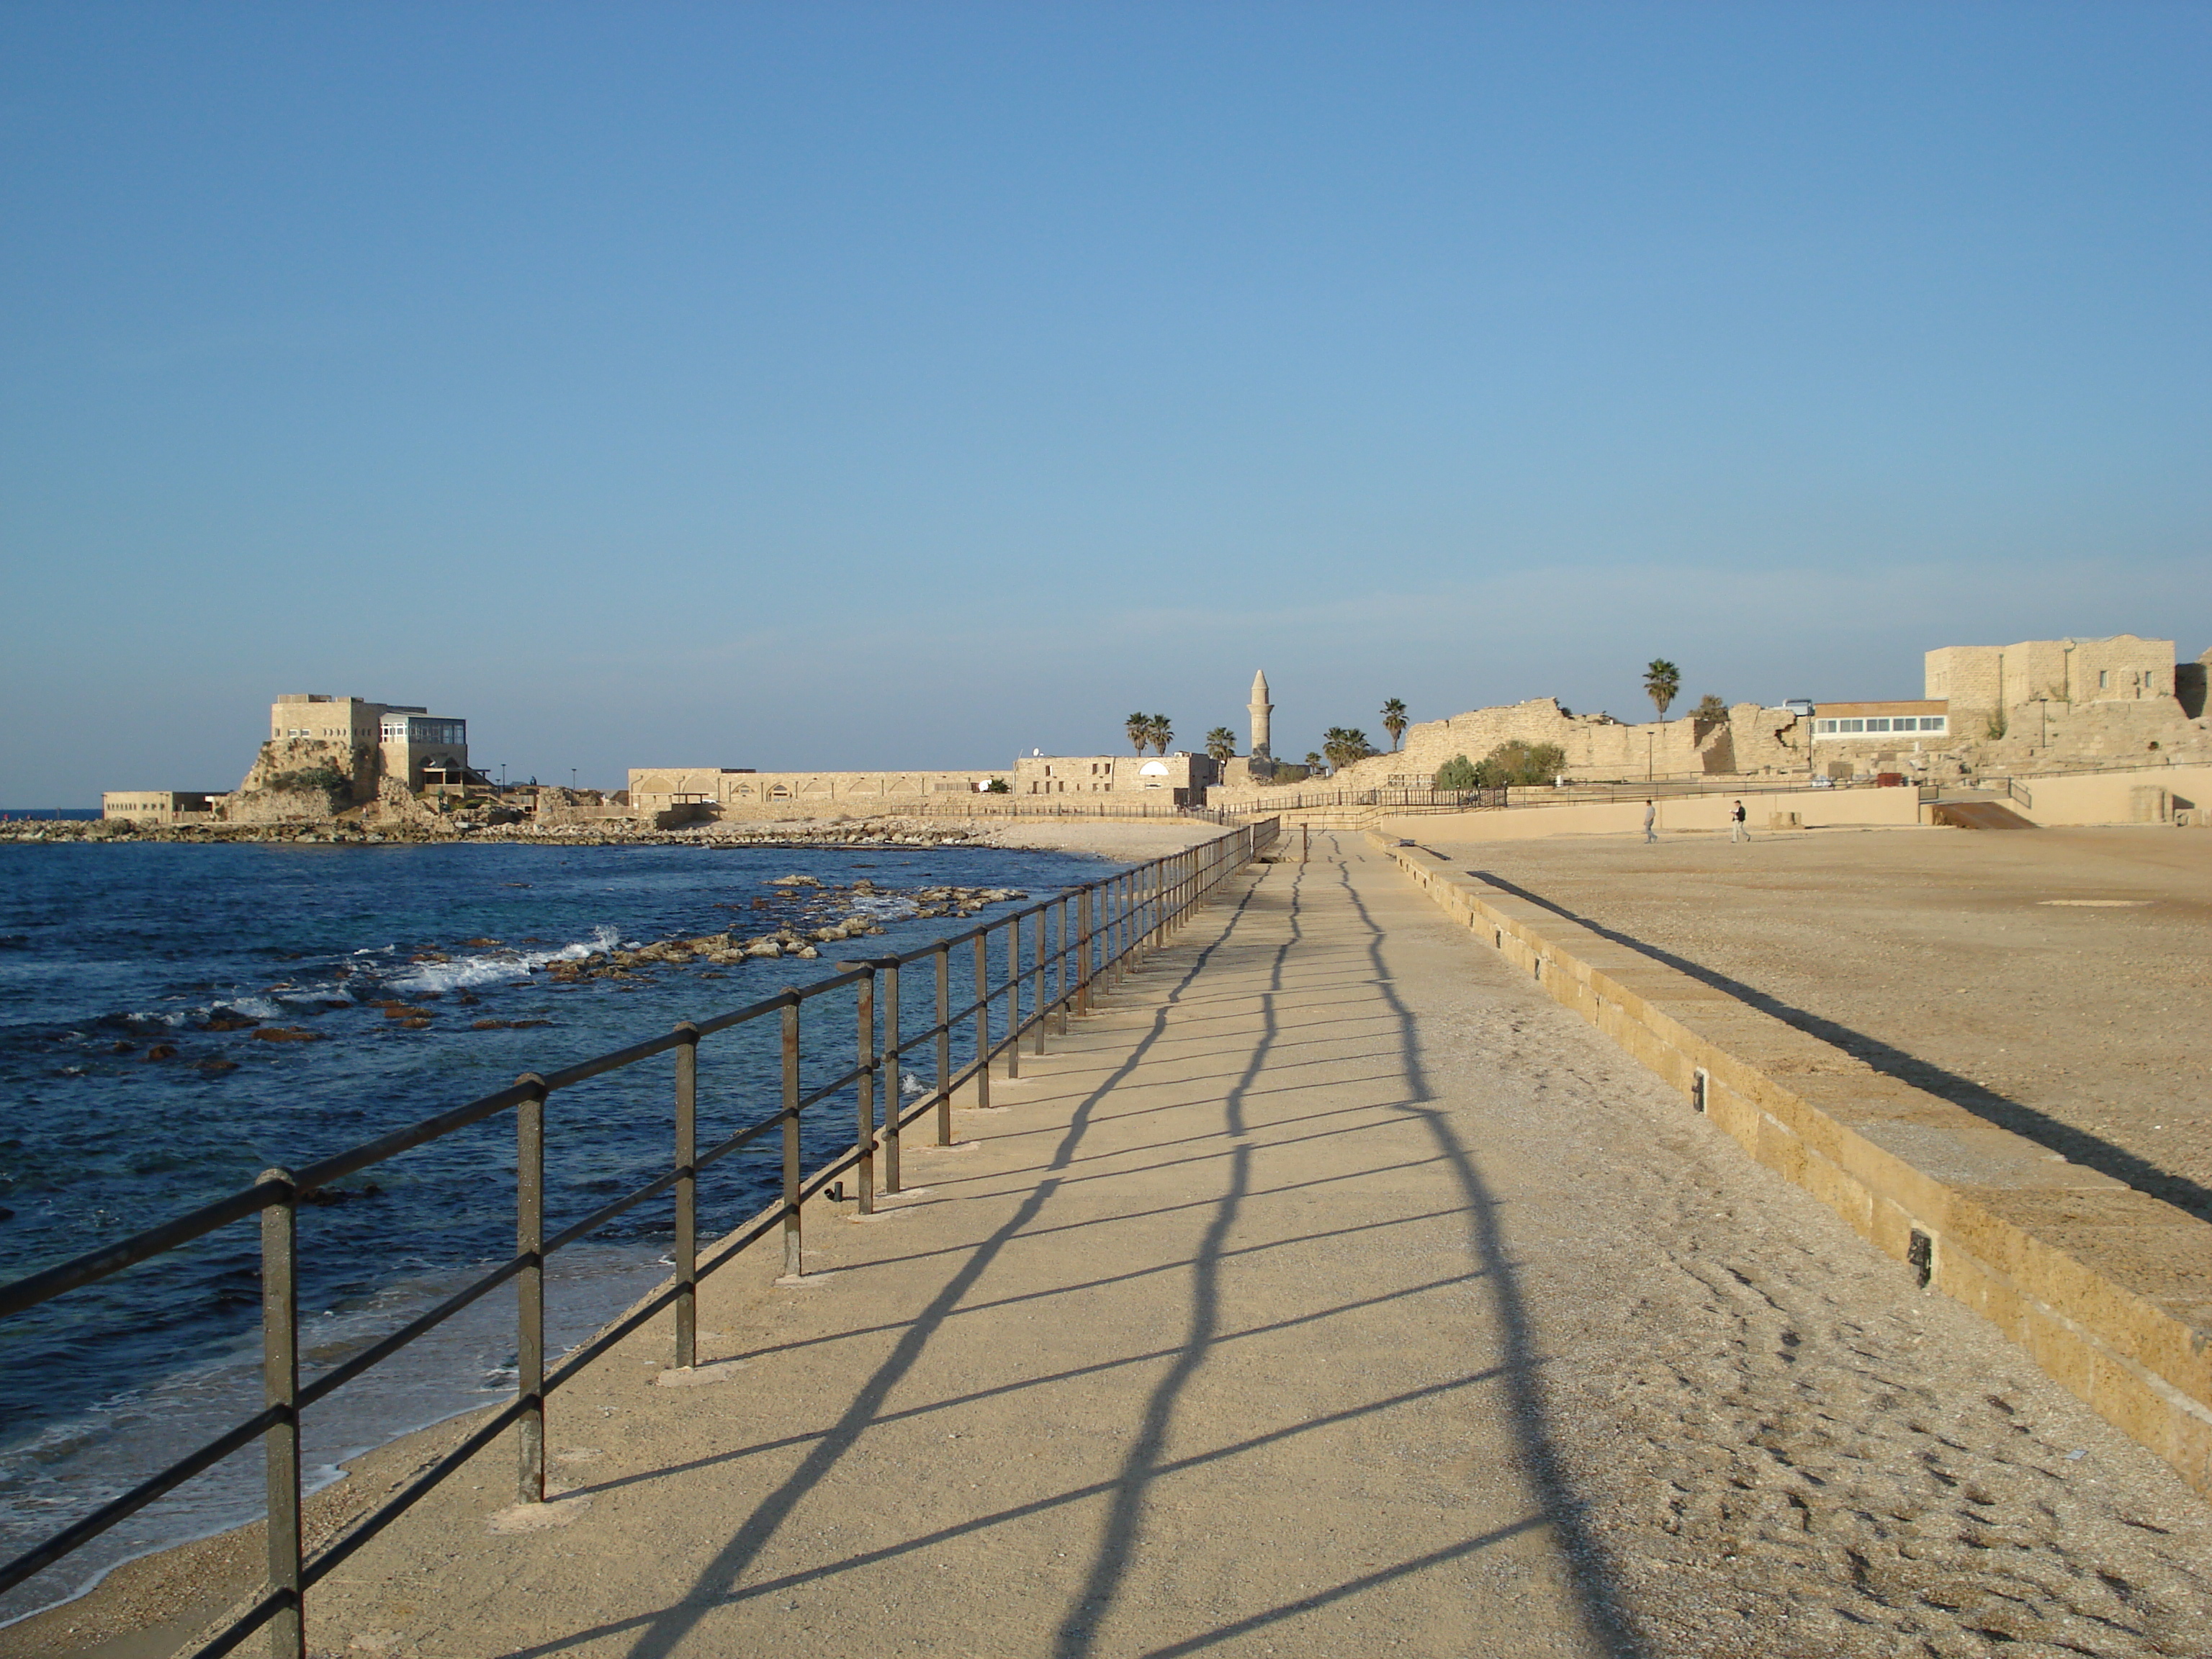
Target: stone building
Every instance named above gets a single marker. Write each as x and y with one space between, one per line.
1850 740
2053 703
1983 682
364 742
1185 777
729 791
163 805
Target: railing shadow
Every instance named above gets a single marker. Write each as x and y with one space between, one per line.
2079 1145
1590 1564
663 1632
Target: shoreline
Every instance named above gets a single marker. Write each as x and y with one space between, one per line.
1015 833
155 1604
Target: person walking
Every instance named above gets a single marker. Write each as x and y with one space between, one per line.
1650 821
1737 831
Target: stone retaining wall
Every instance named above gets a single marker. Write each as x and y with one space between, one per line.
2109 1290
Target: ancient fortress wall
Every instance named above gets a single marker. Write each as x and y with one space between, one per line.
768 795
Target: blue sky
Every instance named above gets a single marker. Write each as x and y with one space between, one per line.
856 385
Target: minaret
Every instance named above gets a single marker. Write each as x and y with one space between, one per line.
1260 708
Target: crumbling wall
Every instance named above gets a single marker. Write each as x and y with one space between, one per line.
396 804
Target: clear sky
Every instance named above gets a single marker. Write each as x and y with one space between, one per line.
851 385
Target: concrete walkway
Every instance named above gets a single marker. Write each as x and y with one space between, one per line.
1215 1337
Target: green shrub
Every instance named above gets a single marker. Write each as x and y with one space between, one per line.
1519 763
1457 773
308 780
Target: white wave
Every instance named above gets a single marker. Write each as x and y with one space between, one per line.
494 966
883 907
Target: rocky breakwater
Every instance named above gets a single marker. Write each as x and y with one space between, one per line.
352 830
818 914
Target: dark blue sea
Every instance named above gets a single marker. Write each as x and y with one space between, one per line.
110 955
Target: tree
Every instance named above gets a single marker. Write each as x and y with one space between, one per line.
1393 720
1662 680
1221 743
1709 707
1140 728
1344 744
1159 730
1315 765
1457 773
1521 763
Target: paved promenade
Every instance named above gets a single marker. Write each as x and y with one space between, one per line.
1329 1291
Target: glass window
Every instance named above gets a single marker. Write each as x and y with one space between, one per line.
1850 725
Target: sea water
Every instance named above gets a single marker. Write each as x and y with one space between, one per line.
111 954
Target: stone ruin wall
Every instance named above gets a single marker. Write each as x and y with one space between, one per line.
1753 741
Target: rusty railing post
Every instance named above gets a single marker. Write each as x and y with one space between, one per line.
530 1288
280 1391
793 1254
982 1018
1037 985
686 1253
943 1044
864 1089
1083 945
894 1075
1014 995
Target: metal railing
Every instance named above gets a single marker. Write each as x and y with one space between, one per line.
1541 795
1081 938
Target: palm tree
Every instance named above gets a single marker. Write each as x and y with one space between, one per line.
1140 728
1220 744
1161 729
1315 765
1344 744
1393 720
1662 680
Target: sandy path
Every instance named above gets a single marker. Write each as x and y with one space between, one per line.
1331 1292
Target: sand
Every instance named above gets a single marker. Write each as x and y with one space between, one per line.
2055 981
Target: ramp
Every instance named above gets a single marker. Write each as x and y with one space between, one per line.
1978 815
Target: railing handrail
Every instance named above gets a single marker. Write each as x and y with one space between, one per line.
1134 907
1535 794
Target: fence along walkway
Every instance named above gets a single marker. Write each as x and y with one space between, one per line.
1207 1340
1078 937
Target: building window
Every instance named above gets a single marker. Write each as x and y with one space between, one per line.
2104 679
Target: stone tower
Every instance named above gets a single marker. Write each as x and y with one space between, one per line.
1260 708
